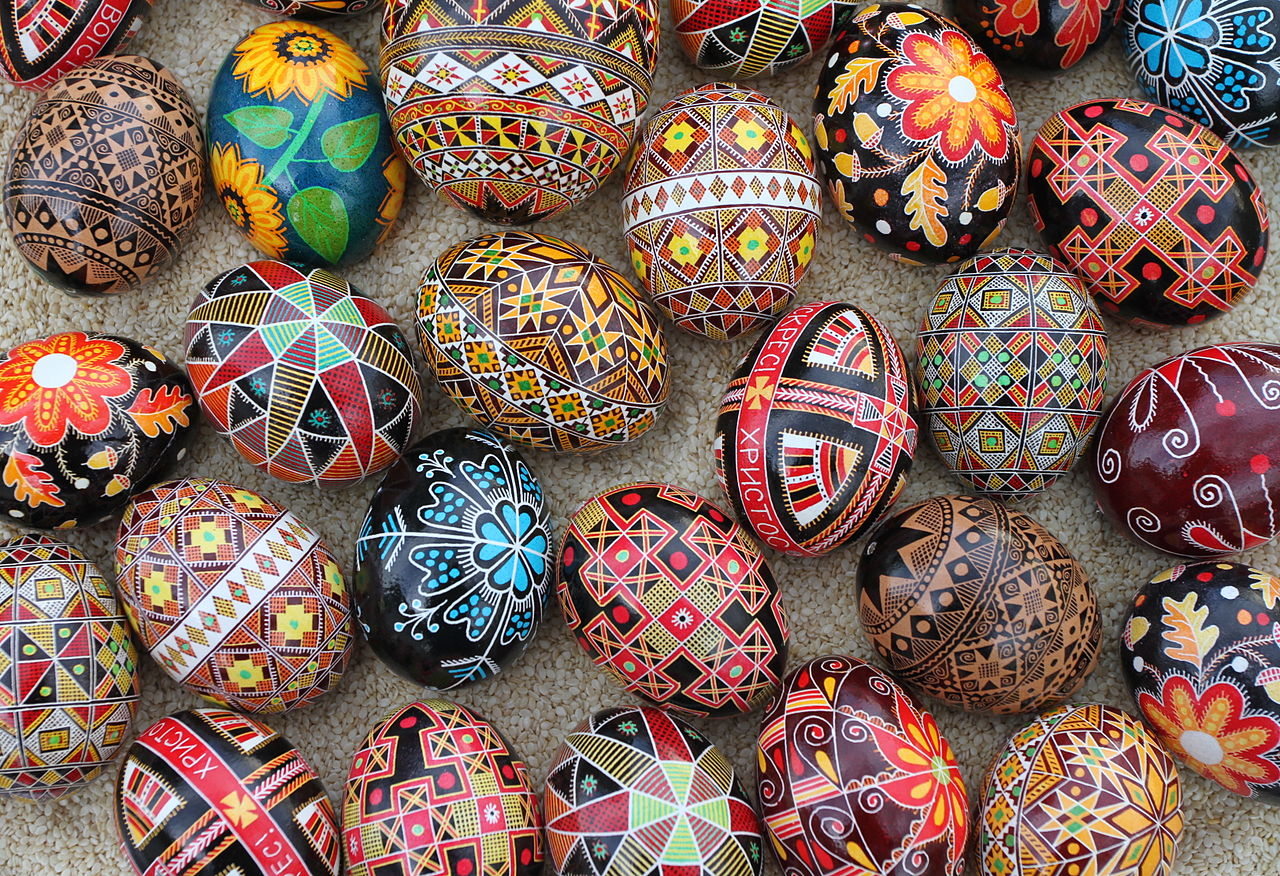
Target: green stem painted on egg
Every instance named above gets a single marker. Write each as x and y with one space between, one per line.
283 162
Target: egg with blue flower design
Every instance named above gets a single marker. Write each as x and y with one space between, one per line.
452 565
1216 61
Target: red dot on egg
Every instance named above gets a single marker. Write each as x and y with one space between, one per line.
1037 167
1263 619
965 238
841 136
508 771
1089 216
1176 121
1205 213
1259 463
1204 576
525 857
913 245
567 556
1226 408
715 515
375 796
446 781
631 499
1199 317
679 560
1093 111
463 868
620 614
1242 172
1138 162
408 722
1151 271
1258 257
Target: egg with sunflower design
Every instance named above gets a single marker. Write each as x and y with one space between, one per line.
671 597
309 379
87 420
105 176
517 111
300 148
453 561
916 134
1200 652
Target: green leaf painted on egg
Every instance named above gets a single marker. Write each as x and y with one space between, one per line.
267 126
320 218
348 145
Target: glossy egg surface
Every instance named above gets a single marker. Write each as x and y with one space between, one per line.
735 39
40 41
1050 35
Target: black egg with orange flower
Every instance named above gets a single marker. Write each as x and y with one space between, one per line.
1039 35
916 135
315 8
86 421
1200 651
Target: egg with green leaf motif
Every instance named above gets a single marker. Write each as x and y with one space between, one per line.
300 149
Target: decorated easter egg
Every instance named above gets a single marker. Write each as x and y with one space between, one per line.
86 420
40 41
68 669
816 431
1049 35
720 209
236 598
1201 656
1165 224
1011 367
1080 785
314 8
637 790
1214 61
207 791
978 606
543 342
854 777
105 176
917 137
1186 459
453 562
434 781
312 381
744 38
517 111
300 149
674 600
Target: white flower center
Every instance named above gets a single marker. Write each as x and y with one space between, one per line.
54 370
1202 747
962 89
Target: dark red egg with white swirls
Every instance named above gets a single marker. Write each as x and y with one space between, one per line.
1187 459
854 777
1200 653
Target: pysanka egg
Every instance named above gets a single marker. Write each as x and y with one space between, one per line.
635 790
1215 61
720 209
917 137
105 176
310 380
543 342
816 431
39 42
673 598
236 598
978 606
1165 225
453 562
433 781
1051 35
1011 367
86 420
517 111
854 777
1186 459
744 38
300 149
1081 786
1201 657
68 669
207 791
314 8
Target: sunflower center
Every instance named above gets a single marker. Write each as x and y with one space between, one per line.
235 207
54 370
1202 747
962 89
303 48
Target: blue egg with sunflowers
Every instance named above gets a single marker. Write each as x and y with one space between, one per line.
300 149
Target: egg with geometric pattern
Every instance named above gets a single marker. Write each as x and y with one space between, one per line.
40 41
237 599
673 599
310 380
314 8
1011 368
543 342
435 782
68 669
720 209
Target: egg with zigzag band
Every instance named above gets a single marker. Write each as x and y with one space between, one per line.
300 148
